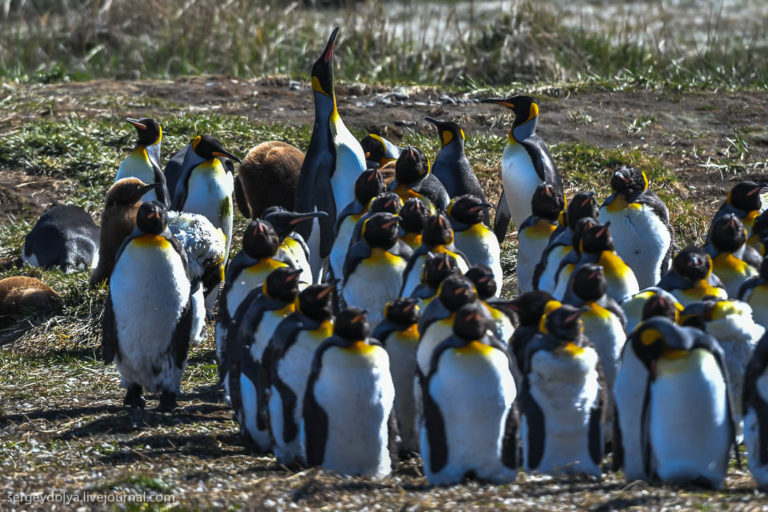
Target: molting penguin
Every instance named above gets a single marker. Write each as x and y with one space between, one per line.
267 177
469 427
525 164
755 293
451 165
348 423
399 333
117 222
529 308
255 321
413 215
143 162
733 261
473 238
149 317
686 434
66 237
485 284
413 178
743 200
755 406
534 233
373 270
437 237
639 225
691 279
293 249
635 307
288 358
379 151
561 398
20 295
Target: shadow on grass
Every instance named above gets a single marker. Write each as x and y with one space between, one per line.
201 446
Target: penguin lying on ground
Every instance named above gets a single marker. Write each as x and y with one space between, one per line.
413 178
21 295
754 292
413 215
149 315
348 423
470 426
754 402
66 237
143 162
691 279
534 233
733 261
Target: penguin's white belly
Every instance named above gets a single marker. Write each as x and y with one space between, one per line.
562 279
435 334
547 278
474 391
149 290
520 180
641 240
373 283
402 357
565 389
413 278
269 322
137 165
350 162
356 392
341 245
481 247
607 335
292 252
529 250
628 393
244 283
315 261
211 196
688 412
249 413
757 298
752 439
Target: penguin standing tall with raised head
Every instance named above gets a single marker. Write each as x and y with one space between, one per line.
149 316
525 164
331 166
143 162
534 233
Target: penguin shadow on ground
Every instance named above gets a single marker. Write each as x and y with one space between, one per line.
15 326
200 446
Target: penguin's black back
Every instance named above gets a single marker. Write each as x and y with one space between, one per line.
65 236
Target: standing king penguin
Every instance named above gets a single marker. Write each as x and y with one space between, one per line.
534 233
755 406
149 317
755 293
143 162
733 260
414 178
691 279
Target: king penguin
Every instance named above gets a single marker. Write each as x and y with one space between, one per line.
640 225
470 427
143 162
755 293
487 290
385 202
293 249
755 406
348 422
399 333
526 162
288 358
413 215
379 151
331 166
529 308
691 279
635 306
437 268
373 269
148 317
65 236
451 165
733 260
534 233
472 237
414 178
745 202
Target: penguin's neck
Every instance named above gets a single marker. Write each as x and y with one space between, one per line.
153 152
523 130
325 106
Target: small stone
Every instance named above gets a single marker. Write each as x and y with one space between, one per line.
294 85
403 122
447 99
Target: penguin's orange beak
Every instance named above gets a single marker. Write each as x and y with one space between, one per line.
136 123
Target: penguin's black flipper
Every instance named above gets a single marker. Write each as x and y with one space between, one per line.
182 335
173 168
383 330
402 250
542 162
751 256
502 219
611 305
751 398
650 199
161 186
421 251
674 281
240 262
747 285
355 255
315 418
534 419
108 333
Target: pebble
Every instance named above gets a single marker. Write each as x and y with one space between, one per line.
447 99
400 94
294 85
403 122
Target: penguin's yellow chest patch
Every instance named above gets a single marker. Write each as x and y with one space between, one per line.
324 330
749 220
474 348
620 203
140 153
727 263
478 231
265 265
410 334
570 349
542 229
285 311
360 348
382 257
613 264
598 311
151 241
413 240
674 361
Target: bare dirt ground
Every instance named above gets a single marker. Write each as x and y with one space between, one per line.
63 427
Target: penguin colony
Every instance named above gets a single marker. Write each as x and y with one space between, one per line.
360 320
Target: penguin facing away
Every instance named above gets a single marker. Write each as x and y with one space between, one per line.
385 202
379 151
647 303
293 249
534 233
414 178
733 260
485 284
143 162
437 268
148 317
348 423
469 427
413 215
691 279
754 292
743 200
755 406
575 255
65 236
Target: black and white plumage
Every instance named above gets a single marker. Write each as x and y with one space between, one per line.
754 292
733 260
143 162
293 249
691 278
754 402
64 236
534 233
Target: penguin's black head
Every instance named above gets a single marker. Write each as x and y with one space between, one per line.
693 263
745 195
386 202
584 204
764 269
152 217
531 306
657 336
373 147
413 216
589 282
482 277
596 239
148 129
524 107
411 166
316 301
728 233
322 71
283 284
438 268
564 323
661 305
437 231
456 291
368 185
448 131
471 322
126 192
579 229
467 209
628 181
285 222
208 147
380 230
403 311
546 202
260 239
352 324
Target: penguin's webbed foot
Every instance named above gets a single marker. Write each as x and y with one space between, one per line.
167 402
133 397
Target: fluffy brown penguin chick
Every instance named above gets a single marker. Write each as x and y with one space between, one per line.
117 222
20 294
268 177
